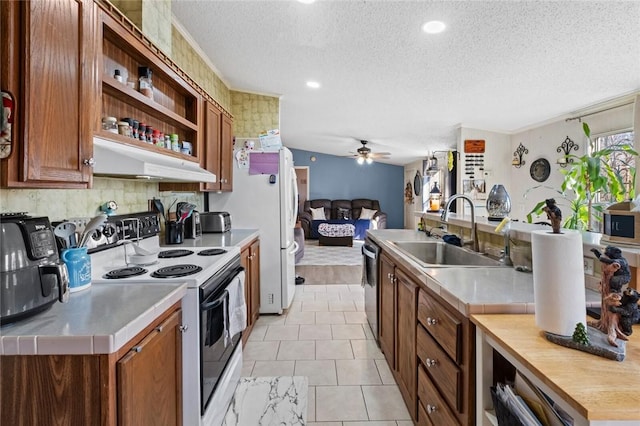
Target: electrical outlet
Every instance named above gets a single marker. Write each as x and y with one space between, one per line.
270 298
588 265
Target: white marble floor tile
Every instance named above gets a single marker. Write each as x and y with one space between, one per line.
375 423
385 372
385 403
347 331
258 332
324 424
270 320
342 306
247 368
334 349
357 372
355 317
282 332
356 288
273 368
301 318
314 287
315 306
315 332
297 350
330 318
366 349
269 401
319 372
304 295
260 351
404 423
367 331
356 297
340 403
296 306
359 306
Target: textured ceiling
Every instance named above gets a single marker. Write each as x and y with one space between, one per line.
499 66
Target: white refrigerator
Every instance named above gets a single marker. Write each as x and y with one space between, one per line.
268 202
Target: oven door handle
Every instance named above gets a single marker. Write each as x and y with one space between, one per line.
207 306
366 251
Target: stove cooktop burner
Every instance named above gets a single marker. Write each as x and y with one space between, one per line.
174 253
176 271
132 271
212 252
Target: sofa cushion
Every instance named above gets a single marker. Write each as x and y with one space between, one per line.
343 213
318 214
366 213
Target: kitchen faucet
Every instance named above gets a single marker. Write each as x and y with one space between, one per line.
445 215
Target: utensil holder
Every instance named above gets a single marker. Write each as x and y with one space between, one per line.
78 264
174 232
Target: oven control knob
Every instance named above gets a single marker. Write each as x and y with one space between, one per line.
183 328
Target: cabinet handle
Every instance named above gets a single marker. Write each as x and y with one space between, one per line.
90 162
431 408
388 275
136 349
159 329
432 321
183 328
430 362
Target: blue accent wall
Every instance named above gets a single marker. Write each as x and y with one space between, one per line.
339 178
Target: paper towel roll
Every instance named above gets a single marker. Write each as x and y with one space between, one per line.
558 281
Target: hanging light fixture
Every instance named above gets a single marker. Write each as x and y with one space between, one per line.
434 198
360 159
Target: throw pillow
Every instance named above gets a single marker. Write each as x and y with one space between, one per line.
343 213
318 214
366 213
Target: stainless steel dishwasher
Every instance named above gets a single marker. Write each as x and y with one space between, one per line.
370 254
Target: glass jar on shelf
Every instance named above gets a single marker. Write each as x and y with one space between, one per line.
110 124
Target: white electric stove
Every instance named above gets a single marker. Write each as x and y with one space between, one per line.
210 273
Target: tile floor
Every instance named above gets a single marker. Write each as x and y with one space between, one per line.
325 336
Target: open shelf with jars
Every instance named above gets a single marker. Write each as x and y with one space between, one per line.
175 107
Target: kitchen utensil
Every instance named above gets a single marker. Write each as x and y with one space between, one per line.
142 251
168 216
93 224
159 207
66 231
183 216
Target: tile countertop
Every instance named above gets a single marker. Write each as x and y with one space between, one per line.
232 238
471 290
98 320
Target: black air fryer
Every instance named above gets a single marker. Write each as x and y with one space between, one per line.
32 277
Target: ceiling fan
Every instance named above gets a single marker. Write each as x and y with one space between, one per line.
364 154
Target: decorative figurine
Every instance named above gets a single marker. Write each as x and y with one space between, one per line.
554 214
408 194
580 335
615 275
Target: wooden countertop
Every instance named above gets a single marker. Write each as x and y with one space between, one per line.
597 388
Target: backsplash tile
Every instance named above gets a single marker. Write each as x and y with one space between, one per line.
59 204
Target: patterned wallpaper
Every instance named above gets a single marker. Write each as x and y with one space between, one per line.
153 17
254 113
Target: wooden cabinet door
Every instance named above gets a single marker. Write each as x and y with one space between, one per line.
255 281
245 261
149 378
386 280
212 142
226 155
53 78
406 305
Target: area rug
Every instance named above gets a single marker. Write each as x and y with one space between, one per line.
318 255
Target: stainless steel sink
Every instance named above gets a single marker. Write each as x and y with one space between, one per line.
439 254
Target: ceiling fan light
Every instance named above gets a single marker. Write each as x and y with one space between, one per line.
369 160
360 160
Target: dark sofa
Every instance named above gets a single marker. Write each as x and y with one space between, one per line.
335 210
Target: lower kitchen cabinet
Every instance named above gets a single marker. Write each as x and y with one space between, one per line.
250 259
429 347
140 384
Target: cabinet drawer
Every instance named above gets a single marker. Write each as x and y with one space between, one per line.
423 419
444 372
431 405
442 325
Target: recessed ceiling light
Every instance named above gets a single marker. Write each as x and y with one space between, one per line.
434 27
307 1
313 84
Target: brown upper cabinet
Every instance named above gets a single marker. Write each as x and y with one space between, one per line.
174 106
46 51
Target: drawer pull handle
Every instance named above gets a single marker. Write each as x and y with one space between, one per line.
183 328
430 362
136 349
431 408
432 321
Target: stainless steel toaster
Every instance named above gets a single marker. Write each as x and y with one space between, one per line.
212 222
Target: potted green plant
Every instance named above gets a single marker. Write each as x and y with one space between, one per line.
590 175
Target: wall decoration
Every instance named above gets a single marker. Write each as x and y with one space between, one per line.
474 146
566 148
475 188
517 161
540 170
408 194
417 183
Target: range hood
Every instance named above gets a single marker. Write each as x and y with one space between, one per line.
126 161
